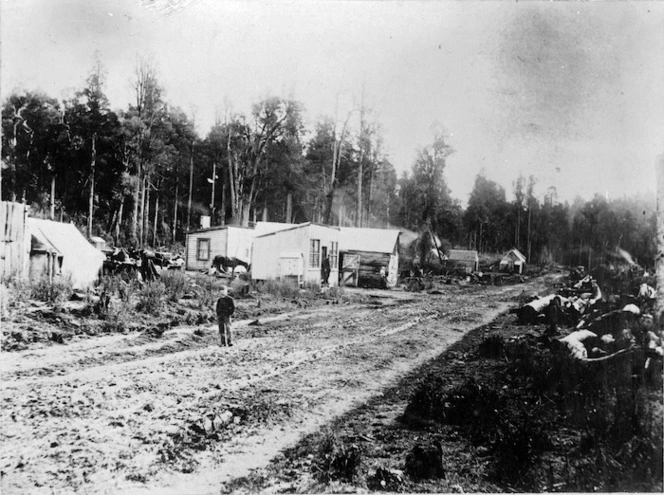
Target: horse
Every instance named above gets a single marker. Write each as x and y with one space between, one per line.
223 263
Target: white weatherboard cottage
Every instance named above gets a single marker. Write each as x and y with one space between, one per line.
228 240
296 253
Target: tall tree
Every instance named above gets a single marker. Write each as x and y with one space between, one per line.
94 129
425 196
249 142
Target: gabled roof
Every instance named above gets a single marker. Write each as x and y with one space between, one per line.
80 260
369 240
516 253
463 255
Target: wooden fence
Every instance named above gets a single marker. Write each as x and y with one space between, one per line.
13 250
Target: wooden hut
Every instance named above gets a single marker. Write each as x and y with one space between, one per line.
369 257
464 259
203 245
513 261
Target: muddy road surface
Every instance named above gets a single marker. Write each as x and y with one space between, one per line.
179 414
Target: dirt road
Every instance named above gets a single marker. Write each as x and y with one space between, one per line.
177 414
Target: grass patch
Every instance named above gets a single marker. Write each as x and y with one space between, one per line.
285 289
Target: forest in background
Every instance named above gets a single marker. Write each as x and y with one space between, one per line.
143 177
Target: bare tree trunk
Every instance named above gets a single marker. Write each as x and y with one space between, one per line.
119 223
91 199
659 263
134 217
175 210
289 207
146 215
52 213
156 217
358 218
245 213
530 210
223 202
231 181
191 185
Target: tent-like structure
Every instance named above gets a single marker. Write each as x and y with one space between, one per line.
59 248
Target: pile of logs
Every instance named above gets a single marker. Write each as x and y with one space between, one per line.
596 328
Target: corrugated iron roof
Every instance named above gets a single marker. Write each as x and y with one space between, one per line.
463 255
370 240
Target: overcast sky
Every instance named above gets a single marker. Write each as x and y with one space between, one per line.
572 93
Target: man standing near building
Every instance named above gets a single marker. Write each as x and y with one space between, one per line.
325 271
225 309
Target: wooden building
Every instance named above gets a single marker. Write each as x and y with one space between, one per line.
203 245
369 257
296 253
513 261
464 259
14 240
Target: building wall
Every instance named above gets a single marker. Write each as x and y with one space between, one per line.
268 252
218 241
368 274
327 236
239 244
14 240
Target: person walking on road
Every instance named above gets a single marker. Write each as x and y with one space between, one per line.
225 309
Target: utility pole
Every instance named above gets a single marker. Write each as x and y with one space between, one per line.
214 180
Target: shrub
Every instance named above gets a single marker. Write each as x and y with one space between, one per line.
151 298
56 291
311 289
116 319
207 289
176 283
334 460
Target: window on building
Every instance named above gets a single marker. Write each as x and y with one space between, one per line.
314 253
334 255
203 249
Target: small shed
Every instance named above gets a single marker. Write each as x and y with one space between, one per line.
461 258
369 257
296 253
203 245
60 249
513 261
